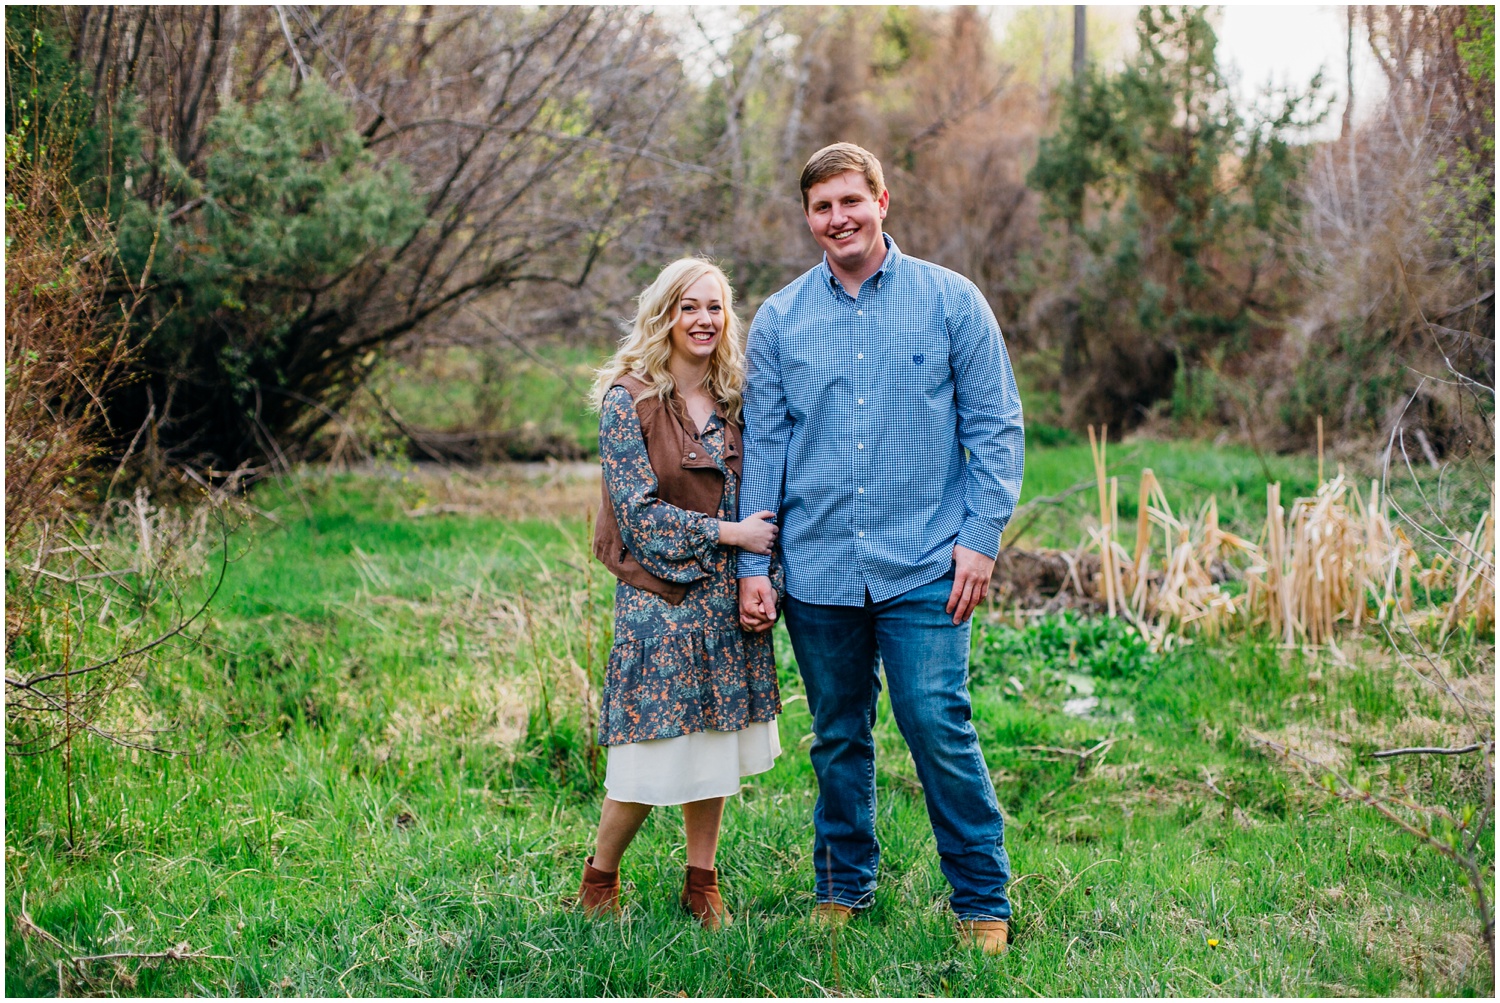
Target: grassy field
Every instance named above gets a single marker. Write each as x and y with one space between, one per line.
538 395
390 791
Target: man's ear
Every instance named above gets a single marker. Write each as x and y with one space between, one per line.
884 202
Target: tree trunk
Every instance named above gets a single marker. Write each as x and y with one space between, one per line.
1080 43
1348 124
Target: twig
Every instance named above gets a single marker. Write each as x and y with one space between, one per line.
1032 509
32 683
28 927
1208 780
1431 751
1081 754
182 952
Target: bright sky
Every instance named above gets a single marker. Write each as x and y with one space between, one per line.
1287 45
1258 45
1266 45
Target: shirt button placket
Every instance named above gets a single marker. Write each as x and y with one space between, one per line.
861 388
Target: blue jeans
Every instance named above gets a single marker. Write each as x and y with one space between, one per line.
926 662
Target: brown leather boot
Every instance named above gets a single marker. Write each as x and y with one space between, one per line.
992 936
832 914
700 896
599 894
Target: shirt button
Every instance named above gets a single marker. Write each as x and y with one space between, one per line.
860 401
861 355
861 490
860 312
860 445
861 533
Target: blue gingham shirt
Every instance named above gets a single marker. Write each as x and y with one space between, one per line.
858 414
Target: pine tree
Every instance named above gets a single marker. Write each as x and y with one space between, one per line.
1178 210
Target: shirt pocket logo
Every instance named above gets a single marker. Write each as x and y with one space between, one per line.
919 358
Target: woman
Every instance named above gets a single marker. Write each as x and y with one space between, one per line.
690 700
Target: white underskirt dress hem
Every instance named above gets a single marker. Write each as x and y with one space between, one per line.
705 764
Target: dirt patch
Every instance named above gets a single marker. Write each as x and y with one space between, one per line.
1046 580
1325 746
511 490
473 446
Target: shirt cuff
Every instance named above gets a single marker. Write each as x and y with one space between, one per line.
982 535
754 565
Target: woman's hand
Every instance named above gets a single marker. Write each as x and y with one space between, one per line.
755 534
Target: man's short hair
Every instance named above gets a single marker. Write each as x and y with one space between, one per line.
831 161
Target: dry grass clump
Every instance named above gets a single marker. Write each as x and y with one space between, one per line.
1185 590
1473 568
1336 555
63 352
1333 559
1324 560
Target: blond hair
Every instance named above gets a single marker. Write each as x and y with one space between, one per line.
831 161
646 349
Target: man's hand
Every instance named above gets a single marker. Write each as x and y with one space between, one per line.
757 604
971 583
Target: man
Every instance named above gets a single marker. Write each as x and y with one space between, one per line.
883 425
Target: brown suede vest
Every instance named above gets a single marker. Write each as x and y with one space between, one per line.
685 477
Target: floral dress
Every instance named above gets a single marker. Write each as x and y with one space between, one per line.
690 668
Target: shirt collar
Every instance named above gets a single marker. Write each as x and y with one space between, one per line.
887 267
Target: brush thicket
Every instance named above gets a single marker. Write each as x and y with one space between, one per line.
1333 561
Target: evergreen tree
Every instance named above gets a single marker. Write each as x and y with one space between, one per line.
288 202
1178 210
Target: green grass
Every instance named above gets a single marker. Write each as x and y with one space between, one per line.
541 392
390 792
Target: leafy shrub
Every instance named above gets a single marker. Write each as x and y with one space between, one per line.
1102 647
289 203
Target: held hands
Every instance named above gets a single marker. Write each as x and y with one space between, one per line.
757 598
757 604
755 533
971 583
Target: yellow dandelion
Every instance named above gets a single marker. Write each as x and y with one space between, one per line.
1213 942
